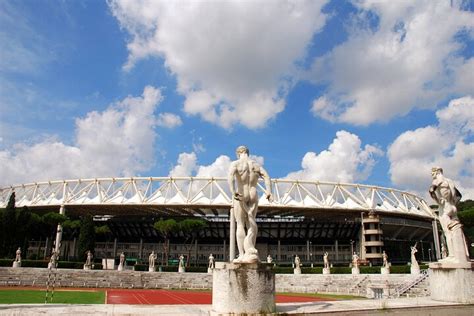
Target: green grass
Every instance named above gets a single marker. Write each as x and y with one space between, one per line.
60 297
323 295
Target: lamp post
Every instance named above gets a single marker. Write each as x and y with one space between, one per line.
352 247
429 254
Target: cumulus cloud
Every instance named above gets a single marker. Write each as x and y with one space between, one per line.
234 60
411 58
187 165
168 120
116 142
447 144
344 161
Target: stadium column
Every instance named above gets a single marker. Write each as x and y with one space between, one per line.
59 231
436 240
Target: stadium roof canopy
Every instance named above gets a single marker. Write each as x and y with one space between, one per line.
210 197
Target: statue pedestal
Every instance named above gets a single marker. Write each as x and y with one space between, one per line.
87 267
297 270
355 270
151 269
384 270
181 269
209 270
243 288
16 264
326 271
120 267
452 282
414 270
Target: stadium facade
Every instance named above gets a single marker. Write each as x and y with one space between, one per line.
306 218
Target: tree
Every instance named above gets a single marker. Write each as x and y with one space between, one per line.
51 221
8 229
23 224
86 236
190 228
165 228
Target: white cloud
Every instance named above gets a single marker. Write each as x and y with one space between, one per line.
187 165
168 120
344 161
116 142
447 144
410 59
234 60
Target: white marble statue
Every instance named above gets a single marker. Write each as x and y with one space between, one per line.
17 261
414 262
246 172
269 259
385 259
445 193
212 263
88 263
151 261
326 260
355 260
121 265
181 266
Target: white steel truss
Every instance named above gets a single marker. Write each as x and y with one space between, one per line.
194 192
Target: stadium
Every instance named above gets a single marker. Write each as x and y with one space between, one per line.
306 218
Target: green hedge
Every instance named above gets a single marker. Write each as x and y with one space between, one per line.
44 264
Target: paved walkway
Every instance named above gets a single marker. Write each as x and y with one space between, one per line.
401 306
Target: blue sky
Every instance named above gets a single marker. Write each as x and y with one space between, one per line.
353 91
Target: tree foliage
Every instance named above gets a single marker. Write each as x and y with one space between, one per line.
86 236
165 228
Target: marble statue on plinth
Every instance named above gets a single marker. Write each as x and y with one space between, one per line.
181 267
245 172
414 268
297 264
385 269
326 260
151 261
121 265
17 261
355 263
445 193
88 264
212 264
327 267
269 259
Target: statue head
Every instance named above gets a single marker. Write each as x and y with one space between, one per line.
241 149
435 171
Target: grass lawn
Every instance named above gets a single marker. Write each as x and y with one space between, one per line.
60 297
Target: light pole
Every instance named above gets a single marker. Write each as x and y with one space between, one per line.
429 254
352 247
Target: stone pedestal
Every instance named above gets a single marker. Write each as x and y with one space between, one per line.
209 270
414 270
452 282
86 267
355 270
16 264
243 288
151 269
181 269
326 271
120 267
297 270
384 270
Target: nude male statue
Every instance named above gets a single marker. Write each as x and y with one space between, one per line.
18 255
151 259
246 172
444 192
326 260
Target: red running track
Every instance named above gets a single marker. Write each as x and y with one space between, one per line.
173 297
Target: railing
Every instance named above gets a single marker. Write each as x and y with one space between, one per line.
406 287
213 192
